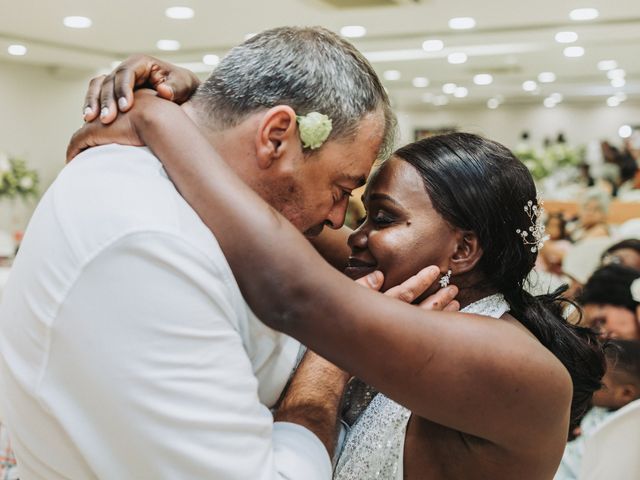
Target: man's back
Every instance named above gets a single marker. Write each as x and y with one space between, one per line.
127 349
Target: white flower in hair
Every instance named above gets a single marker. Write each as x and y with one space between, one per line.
314 128
535 235
635 290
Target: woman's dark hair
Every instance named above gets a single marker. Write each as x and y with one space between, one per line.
478 185
610 285
629 243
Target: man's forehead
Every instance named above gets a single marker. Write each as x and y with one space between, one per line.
354 179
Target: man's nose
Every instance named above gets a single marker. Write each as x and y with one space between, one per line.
335 218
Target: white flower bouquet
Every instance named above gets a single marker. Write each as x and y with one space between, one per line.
16 179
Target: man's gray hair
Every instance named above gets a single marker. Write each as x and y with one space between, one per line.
310 69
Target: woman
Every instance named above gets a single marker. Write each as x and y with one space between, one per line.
610 304
477 397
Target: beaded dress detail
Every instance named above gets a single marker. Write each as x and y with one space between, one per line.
374 447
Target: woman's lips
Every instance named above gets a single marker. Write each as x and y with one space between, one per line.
358 268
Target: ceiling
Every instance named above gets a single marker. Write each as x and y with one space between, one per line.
512 40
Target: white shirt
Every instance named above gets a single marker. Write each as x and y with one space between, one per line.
127 349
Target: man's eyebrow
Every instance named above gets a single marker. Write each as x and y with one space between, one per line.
357 180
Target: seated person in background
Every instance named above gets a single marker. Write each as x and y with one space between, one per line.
592 218
556 247
621 386
609 303
626 252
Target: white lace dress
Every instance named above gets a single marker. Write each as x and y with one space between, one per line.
374 447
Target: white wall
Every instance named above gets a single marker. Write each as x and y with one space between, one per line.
580 124
39 110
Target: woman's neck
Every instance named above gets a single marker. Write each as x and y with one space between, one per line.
471 289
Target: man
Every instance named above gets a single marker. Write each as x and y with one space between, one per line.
127 348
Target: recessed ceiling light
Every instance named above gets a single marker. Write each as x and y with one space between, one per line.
457 58
462 23
440 100
556 97
573 52
432 45
547 77
618 82
353 31
529 86
77 22
168 45
616 73
211 59
493 103
179 13
420 82
483 79
566 37
449 88
607 65
392 75
613 101
625 131
460 92
17 50
549 102
581 14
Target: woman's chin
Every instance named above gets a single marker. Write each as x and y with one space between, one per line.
358 272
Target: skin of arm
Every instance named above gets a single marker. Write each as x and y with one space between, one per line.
313 398
477 375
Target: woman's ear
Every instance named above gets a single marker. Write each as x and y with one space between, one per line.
277 137
467 254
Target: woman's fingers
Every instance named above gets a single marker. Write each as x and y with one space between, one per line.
91 107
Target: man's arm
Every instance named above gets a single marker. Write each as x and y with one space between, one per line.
160 385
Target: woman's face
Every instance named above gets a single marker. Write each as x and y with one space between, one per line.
612 321
402 232
554 228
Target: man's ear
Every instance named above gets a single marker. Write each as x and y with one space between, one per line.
467 254
277 138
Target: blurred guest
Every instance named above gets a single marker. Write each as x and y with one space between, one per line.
621 386
610 304
592 218
626 252
550 258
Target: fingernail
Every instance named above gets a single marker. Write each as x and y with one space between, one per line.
87 111
104 112
122 103
374 279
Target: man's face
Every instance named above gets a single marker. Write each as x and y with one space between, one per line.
317 192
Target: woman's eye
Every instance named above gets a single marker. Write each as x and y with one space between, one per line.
381 218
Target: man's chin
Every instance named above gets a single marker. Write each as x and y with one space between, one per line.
313 231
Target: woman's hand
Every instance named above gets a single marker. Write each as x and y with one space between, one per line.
124 130
108 94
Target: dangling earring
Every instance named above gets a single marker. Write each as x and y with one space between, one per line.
446 278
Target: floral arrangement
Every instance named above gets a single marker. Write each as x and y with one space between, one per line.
314 129
542 163
16 179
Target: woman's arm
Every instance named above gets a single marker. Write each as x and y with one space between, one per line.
474 374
